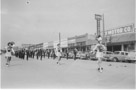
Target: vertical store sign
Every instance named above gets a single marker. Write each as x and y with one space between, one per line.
98 18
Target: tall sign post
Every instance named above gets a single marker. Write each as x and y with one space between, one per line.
104 37
98 19
59 40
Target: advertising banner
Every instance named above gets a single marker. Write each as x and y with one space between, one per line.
45 45
64 43
120 30
55 44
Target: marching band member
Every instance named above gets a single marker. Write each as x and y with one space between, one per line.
98 49
58 53
9 52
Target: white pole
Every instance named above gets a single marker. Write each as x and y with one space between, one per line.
104 32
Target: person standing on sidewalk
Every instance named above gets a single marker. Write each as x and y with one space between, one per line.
54 56
23 54
32 53
27 54
9 52
37 54
44 53
40 53
98 49
67 54
75 53
48 53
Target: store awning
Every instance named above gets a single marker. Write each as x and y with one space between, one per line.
124 38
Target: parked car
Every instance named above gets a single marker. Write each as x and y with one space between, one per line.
107 55
63 55
92 56
131 57
71 55
84 55
0 52
118 56
79 54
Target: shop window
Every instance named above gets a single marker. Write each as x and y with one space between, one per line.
117 48
131 47
109 48
126 47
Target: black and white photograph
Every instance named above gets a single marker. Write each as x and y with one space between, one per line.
68 44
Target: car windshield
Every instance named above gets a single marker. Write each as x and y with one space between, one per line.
109 52
116 52
122 53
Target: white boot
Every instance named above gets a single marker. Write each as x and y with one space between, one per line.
100 69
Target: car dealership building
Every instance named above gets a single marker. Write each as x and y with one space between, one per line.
121 38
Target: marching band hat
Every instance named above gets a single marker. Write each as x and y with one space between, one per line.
99 38
12 43
58 44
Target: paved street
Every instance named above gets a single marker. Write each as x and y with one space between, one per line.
70 74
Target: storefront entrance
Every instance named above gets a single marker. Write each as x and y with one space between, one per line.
117 48
114 48
81 48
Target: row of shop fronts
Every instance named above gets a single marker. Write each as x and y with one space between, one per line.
121 38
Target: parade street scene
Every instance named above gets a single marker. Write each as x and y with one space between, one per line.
68 44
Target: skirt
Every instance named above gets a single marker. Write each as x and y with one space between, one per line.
99 54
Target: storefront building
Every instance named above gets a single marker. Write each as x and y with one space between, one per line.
50 45
71 43
55 44
39 46
91 41
64 44
81 42
26 45
45 46
121 39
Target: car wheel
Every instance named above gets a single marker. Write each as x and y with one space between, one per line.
115 59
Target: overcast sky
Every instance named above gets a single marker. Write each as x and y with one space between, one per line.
36 21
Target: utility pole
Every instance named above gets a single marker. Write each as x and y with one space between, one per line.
59 38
